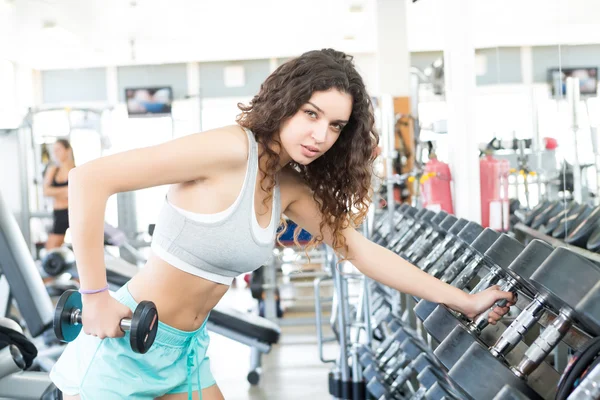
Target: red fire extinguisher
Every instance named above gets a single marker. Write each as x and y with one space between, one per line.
435 186
494 192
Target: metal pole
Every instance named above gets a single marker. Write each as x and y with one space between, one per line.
346 379
573 97
387 129
367 296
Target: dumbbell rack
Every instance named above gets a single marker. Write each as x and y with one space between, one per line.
396 356
524 233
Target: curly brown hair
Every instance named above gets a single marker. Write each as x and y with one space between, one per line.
340 179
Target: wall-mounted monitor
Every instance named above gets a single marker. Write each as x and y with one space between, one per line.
588 79
149 101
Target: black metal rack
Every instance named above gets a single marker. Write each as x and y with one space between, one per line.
522 231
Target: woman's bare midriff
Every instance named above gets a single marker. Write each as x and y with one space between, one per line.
183 300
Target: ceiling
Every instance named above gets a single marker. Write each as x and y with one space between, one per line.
47 34
54 33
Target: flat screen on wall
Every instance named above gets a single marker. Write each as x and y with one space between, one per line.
588 79
149 101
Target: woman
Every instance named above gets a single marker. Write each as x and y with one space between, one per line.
56 184
303 148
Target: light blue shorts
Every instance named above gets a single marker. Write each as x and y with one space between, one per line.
108 368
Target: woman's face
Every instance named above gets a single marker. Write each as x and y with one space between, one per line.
61 154
315 127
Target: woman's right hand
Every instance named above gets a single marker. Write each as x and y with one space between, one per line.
102 315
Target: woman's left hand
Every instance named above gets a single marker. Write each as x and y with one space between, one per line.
482 301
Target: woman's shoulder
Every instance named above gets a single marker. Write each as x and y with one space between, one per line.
231 137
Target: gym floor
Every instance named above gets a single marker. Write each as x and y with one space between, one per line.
291 371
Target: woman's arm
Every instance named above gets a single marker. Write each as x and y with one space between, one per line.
194 157
49 190
384 266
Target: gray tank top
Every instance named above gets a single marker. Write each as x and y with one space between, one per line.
223 249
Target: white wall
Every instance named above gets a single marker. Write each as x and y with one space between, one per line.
509 23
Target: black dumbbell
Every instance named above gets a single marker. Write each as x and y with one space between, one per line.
58 261
572 294
142 327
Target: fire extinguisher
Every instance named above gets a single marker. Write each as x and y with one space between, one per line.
493 177
435 186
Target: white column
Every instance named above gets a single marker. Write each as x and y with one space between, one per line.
459 73
193 79
38 92
112 86
393 56
273 64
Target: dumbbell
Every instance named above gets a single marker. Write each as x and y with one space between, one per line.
438 251
546 214
537 210
455 258
555 221
396 352
380 379
378 388
418 228
58 261
142 326
580 236
433 383
381 228
426 233
571 292
498 257
510 393
438 233
404 227
478 248
453 341
569 224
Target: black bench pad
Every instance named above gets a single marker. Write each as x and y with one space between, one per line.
245 324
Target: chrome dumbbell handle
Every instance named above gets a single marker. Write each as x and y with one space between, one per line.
468 273
544 344
456 267
77 317
483 320
520 326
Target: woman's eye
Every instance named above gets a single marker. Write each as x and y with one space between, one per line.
337 127
311 113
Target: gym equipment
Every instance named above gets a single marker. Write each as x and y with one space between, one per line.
555 221
546 214
383 235
510 393
421 231
583 369
416 228
448 269
58 261
426 263
570 292
496 259
405 226
436 233
477 249
568 224
580 235
26 285
459 340
537 210
258 333
593 243
142 327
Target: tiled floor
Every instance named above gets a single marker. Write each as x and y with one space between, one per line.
291 371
